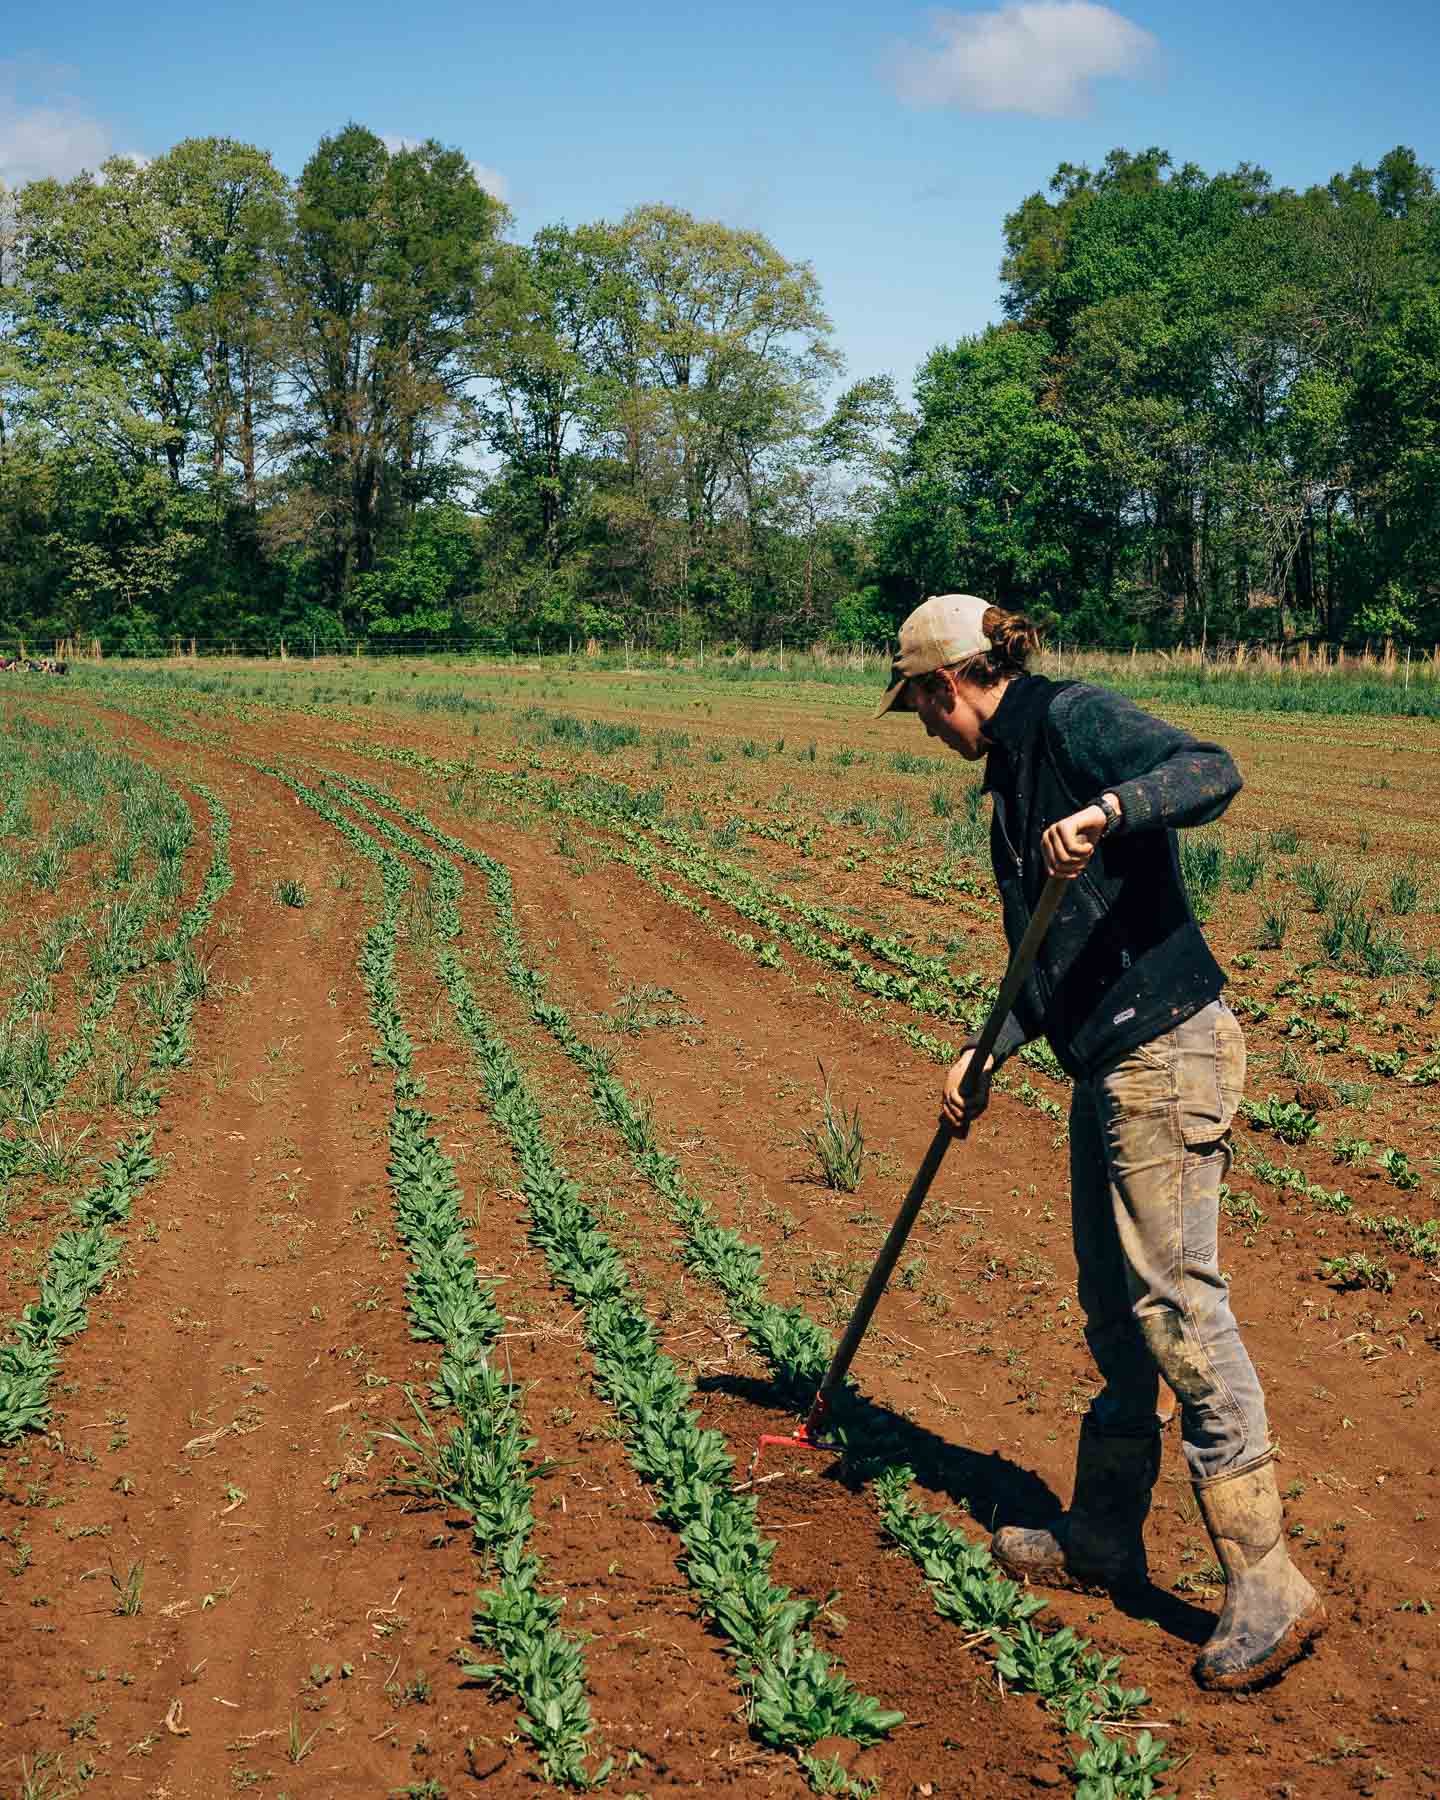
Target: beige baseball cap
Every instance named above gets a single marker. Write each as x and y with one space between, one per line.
942 630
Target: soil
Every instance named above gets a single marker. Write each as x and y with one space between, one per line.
301 1614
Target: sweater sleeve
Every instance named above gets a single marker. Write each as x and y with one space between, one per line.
1161 775
1012 1035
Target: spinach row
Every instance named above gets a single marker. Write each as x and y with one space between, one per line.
479 1469
1072 1680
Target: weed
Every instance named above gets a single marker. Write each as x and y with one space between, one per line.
1285 841
290 892
1245 867
48 1153
838 1143
128 1589
299 1746
1405 890
1319 882
1202 863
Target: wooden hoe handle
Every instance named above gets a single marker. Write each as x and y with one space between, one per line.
1021 964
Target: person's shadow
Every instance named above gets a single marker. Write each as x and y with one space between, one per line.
988 1486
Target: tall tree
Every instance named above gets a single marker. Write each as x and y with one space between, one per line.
383 276
226 204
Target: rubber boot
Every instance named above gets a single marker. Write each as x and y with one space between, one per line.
1097 1545
1271 1613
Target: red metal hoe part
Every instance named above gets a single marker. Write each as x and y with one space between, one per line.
806 1436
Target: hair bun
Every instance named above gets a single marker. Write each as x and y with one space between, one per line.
1014 639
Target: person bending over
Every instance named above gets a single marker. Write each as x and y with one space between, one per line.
1086 785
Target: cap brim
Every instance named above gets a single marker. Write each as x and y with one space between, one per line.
894 696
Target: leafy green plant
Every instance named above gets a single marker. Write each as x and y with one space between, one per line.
1358 1270
1352 1151
78 1263
1288 1119
1396 1165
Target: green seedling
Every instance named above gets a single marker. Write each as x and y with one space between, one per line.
838 1143
1357 1270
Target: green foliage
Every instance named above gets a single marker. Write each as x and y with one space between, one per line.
1178 347
1396 1165
1288 1119
1202 863
1358 1270
838 1143
1070 1678
79 1261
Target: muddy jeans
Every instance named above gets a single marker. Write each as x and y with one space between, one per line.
1149 1148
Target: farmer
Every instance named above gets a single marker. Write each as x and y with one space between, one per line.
1087 786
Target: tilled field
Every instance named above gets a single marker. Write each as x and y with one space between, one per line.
410 1225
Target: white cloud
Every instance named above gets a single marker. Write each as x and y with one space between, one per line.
493 182
1031 56
59 141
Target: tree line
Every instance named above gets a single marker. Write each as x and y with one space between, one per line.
238 408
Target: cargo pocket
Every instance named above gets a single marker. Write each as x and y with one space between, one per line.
1230 1061
1211 1069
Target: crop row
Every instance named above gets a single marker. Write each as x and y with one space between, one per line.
479 1468
157 818
80 1259
78 1263
925 983
1072 1679
797 1694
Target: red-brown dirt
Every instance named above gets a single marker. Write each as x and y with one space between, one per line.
255 1338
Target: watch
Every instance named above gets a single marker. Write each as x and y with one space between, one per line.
1111 812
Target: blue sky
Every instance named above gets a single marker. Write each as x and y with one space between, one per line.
882 143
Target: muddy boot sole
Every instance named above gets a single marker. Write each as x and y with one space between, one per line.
1296 1641
1053 1572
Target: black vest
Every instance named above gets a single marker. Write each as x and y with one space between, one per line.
1124 960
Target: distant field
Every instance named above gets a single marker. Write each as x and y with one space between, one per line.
1363 686
457 1041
